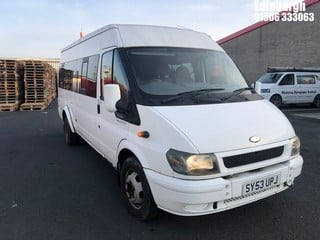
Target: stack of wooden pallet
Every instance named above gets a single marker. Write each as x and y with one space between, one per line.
11 85
39 85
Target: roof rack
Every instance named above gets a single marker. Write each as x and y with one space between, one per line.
292 69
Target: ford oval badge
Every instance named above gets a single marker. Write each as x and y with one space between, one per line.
254 139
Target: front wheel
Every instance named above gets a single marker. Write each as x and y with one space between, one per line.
316 101
135 190
276 100
70 137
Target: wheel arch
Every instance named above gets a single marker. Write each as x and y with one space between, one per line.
271 99
126 150
275 94
316 97
66 114
122 156
124 153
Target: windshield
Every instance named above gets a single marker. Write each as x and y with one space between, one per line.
167 72
270 78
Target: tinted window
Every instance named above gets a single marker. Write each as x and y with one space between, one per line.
84 81
93 68
80 75
92 73
120 78
106 70
287 80
114 73
306 79
270 78
69 75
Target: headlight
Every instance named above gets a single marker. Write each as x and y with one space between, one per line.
192 164
295 143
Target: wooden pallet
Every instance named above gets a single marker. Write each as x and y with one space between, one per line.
10 92
6 99
9 107
10 66
33 106
9 84
11 75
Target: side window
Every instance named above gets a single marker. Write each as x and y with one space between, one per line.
287 80
114 75
106 70
306 79
92 76
120 78
80 75
89 71
76 66
65 77
84 81
69 75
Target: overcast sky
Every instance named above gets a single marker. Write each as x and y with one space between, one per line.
30 28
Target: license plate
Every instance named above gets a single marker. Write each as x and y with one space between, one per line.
261 184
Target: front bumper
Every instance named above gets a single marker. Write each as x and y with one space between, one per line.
200 197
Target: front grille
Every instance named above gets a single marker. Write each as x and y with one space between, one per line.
253 157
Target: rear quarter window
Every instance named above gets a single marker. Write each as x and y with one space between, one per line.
306 79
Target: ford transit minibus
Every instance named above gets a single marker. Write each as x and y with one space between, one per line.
172 113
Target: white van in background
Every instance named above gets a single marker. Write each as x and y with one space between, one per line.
290 85
172 113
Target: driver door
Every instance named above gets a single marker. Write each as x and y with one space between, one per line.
287 88
111 129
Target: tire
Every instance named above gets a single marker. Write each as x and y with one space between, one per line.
135 191
316 101
70 137
276 100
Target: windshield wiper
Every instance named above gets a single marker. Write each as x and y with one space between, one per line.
237 92
190 93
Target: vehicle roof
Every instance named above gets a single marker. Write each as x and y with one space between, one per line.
292 69
311 72
128 35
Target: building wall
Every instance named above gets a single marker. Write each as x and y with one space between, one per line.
54 62
277 44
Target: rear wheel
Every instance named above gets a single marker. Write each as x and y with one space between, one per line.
135 190
316 101
276 100
70 137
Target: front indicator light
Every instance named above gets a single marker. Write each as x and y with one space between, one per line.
192 164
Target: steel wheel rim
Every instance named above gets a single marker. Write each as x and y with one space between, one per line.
134 189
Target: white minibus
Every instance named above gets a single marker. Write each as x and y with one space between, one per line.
172 113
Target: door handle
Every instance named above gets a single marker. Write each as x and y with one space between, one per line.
98 108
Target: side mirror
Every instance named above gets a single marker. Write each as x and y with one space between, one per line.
112 95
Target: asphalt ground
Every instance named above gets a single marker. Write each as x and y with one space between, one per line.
51 191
